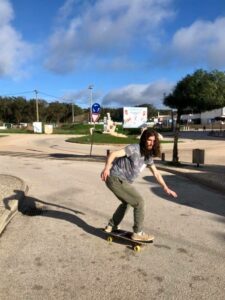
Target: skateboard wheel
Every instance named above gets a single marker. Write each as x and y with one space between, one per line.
137 248
109 239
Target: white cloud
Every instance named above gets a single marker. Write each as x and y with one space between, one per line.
105 27
6 12
65 10
136 94
13 51
201 43
81 97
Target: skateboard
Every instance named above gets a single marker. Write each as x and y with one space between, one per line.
126 235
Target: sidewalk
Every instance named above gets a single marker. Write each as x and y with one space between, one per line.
12 189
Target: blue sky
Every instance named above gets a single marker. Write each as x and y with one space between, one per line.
131 51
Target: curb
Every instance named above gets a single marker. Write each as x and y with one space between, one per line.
12 209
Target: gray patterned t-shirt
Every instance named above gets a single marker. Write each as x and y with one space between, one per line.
129 167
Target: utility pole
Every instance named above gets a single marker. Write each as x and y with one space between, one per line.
72 112
37 112
90 88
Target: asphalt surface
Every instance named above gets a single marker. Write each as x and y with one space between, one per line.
185 262
209 176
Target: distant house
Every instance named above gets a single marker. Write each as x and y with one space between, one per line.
214 115
206 117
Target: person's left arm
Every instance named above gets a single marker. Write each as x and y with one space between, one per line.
161 181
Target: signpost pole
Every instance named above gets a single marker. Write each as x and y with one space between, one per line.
92 138
95 113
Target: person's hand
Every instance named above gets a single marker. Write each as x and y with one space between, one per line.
170 192
104 174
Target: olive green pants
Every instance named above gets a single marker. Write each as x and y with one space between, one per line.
128 195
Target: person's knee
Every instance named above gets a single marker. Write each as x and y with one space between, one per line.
124 205
139 203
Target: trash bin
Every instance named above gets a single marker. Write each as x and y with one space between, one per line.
198 156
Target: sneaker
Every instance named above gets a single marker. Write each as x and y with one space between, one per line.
110 228
143 237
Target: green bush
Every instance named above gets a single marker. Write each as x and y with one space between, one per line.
77 128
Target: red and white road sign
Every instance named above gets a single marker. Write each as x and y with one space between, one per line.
95 117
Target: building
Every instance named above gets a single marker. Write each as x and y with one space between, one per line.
205 118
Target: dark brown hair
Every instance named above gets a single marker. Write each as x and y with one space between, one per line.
155 151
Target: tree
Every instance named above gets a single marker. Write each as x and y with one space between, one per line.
6 113
18 108
116 114
198 92
56 112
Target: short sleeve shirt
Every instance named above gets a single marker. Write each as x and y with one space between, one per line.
129 167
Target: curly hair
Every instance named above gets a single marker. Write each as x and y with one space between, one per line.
155 151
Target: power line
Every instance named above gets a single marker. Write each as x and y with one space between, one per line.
58 98
48 95
31 92
20 93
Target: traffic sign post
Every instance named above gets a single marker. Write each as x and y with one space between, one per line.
95 114
95 109
95 117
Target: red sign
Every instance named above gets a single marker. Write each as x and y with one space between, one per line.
95 117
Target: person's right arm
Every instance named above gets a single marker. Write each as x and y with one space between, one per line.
113 155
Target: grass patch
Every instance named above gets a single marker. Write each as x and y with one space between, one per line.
15 130
101 138
85 129
77 129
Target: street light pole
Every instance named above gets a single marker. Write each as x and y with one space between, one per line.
37 112
90 88
72 112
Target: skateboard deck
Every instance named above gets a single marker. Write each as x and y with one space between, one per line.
126 235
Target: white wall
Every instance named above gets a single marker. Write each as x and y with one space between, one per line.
206 116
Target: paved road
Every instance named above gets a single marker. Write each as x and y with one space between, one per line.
61 254
48 144
55 144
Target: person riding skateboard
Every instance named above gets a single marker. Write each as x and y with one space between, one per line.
121 169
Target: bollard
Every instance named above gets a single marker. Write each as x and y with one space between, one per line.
107 153
163 157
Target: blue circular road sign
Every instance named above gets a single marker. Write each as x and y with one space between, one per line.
96 108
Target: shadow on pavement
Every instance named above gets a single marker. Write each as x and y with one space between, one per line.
31 206
189 197
77 156
199 135
213 168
